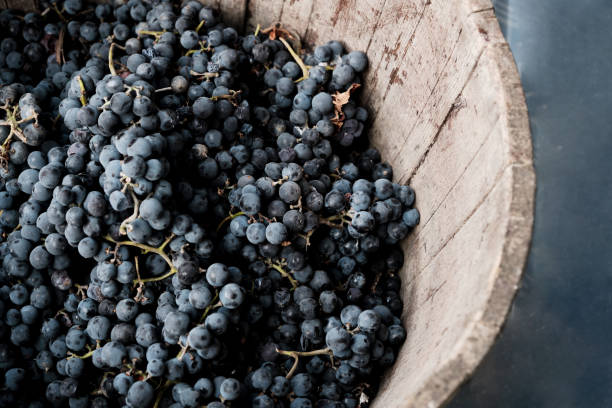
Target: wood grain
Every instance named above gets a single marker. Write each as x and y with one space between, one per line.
343 20
234 12
264 13
27 5
443 300
296 15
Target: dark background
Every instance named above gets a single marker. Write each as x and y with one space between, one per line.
556 347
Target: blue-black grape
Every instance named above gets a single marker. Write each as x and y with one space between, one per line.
121 218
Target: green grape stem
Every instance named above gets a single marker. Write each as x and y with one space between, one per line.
146 248
297 354
229 218
283 272
296 57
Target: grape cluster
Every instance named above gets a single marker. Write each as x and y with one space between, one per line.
190 216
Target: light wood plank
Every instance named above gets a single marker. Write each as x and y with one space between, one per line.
422 120
349 21
466 160
26 5
445 297
264 13
234 12
296 15
390 42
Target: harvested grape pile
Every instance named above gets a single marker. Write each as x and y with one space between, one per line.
190 217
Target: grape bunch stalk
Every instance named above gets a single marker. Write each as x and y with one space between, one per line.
190 216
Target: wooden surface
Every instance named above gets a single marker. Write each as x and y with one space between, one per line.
449 115
19 4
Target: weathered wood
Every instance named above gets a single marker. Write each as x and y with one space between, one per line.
444 309
430 91
264 13
390 43
340 20
446 254
27 5
467 167
234 12
449 114
422 124
296 15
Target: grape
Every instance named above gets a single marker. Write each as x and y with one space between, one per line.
322 103
411 217
155 367
199 338
217 274
98 328
161 178
231 295
358 60
230 389
363 221
126 309
122 383
343 74
140 394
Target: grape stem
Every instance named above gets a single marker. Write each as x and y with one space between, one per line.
203 48
183 350
86 355
160 394
111 66
230 97
276 31
279 268
228 218
83 93
298 205
307 237
280 181
59 47
156 34
146 248
130 88
200 25
205 75
296 57
59 13
344 218
209 308
297 354
14 130
81 290
124 224
138 282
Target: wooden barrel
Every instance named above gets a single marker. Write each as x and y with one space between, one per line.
450 116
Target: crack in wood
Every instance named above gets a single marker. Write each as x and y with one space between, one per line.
467 219
420 112
380 13
467 166
400 60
